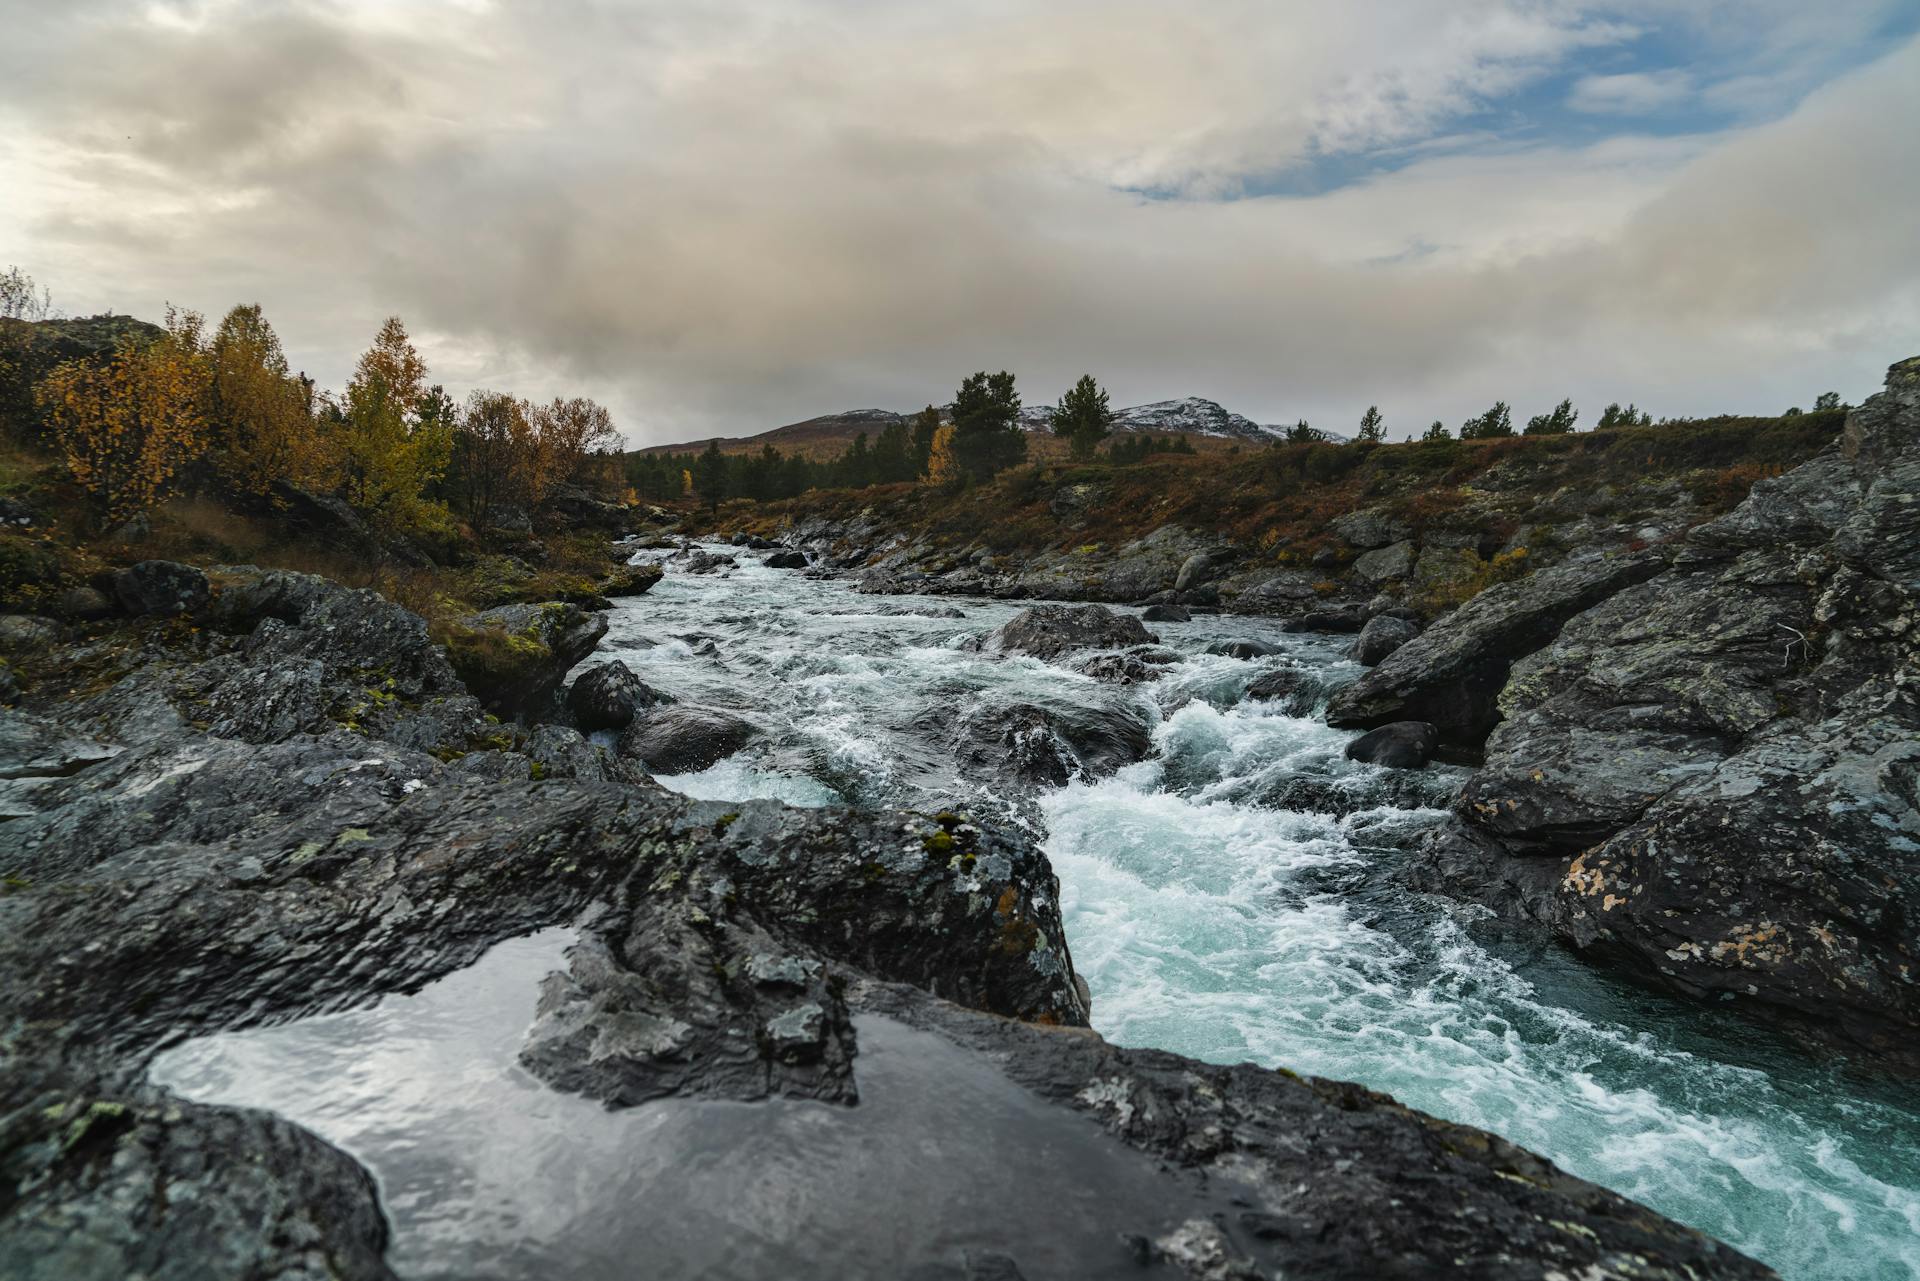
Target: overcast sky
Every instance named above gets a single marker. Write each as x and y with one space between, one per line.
721 215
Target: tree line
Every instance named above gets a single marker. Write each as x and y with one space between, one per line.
177 407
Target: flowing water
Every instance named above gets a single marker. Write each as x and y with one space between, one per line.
1231 898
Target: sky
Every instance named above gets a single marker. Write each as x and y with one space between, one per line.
718 216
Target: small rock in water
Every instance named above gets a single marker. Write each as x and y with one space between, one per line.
1242 649
1168 613
1401 745
684 740
608 696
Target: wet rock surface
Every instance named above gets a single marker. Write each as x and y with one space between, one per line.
273 860
1711 777
609 695
1048 631
681 739
515 657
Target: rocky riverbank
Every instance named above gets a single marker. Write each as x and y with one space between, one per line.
250 796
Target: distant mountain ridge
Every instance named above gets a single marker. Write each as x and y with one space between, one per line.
829 433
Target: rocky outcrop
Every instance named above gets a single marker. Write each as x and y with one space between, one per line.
1712 775
1452 674
1048 631
161 587
514 657
195 882
630 580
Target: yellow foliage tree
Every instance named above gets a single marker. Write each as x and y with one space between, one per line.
390 452
126 427
943 467
261 422
686 483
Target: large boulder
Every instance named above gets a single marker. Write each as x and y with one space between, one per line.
1451 674
1370 528
1048 631
609 695
631 580
1710 775
684 739
1028 743
788 559
514 658
1385 564
1383 634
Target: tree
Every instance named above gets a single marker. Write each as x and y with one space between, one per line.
1613 416
1558 423
1301 434
1373 429
710 476
568 434
258 415
943 462
493 454
926 424
1437 432
391 454
1827 400
126 427
986 425
22 305
893 455
1084 417
1496 422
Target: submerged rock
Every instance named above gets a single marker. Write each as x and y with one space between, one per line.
1135 666
1050 745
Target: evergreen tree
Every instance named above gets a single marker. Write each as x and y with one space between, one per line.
925 424
987 438
1613 416
1084 417
1301 434
893 455
1558 423
1437 432
1827 400
709 476
1496 422
1373 429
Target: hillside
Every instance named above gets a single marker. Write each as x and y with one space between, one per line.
1204 423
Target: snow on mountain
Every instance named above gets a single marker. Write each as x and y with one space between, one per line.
1191 414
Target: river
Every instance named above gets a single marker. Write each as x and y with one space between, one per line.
1232 897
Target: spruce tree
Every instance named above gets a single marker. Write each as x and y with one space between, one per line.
987 438
1084 417
1373 428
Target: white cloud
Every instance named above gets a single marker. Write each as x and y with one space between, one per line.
1631 93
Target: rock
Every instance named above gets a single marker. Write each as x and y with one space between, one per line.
683 739
85 604
786 560
27 634
1338 621
1296 689
631 580
514 658
1451 674
1401 745
1168 613
1385 564
1370 528
1135 666
571 507
609 695
137 530
556 752
1051 745
1443 572
508 518
1048 631
35 752
1383 634
703 562
1243 649
161 587
1194 570
1279 593
1707 775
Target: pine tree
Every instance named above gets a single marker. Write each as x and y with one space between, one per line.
1373 428
1084 417
710 476
1827 400
1437 432
925 424
987 438
1557 423
1300 433
1496 422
